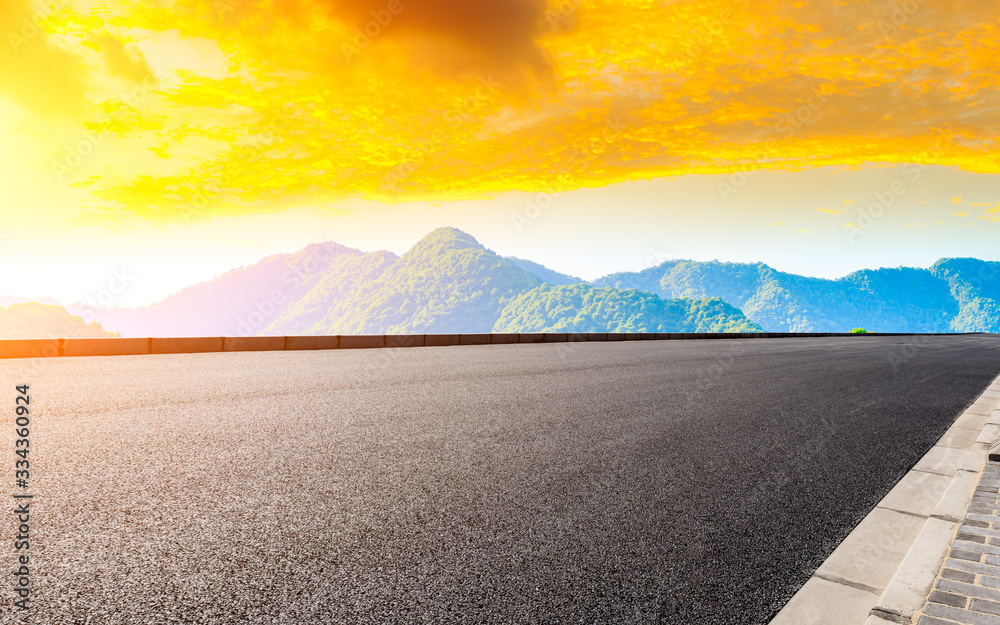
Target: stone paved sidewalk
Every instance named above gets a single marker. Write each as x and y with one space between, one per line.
967 589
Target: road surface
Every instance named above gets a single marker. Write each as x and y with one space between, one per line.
684 482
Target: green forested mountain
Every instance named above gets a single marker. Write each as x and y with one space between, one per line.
543 272
975 286
332 296
44 321
448 282
949 297
585 308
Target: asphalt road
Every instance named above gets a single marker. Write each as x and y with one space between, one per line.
685 482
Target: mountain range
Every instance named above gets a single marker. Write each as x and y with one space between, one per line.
37 320
449 282
954 295
446 283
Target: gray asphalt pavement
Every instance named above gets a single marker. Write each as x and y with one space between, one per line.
685 482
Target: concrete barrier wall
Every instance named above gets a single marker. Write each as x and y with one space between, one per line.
406 340
30 348
312 342
105 347
362 341
187 345
49 348
442 340
253 344
474 339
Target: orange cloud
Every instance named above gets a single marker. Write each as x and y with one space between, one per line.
449 99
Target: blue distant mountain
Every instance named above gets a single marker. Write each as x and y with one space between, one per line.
954 295
449 282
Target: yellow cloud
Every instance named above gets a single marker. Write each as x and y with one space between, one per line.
960 214
265 104
957 200
829 211
804 231
847 202
37 71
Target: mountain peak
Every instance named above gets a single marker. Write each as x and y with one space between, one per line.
449 238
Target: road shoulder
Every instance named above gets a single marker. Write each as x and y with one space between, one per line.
886 568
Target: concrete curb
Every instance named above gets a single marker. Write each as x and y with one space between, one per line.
49 348
884 570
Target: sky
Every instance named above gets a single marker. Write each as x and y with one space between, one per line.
172 140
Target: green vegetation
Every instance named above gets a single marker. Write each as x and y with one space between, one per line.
584 308
448 282
957 295
45 321
543 272
859 331
975 285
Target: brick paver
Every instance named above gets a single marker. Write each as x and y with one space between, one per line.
967 589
